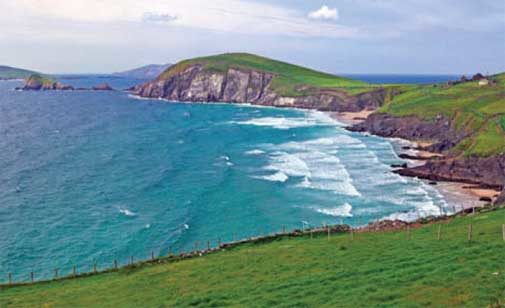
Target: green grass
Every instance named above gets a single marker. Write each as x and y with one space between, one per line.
7 72
476 110
374 270
289 80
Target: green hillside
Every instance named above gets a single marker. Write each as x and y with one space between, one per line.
477 110
289 80
383 269
7 72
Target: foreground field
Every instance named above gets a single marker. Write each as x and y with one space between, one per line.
372 269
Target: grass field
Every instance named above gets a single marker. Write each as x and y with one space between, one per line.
385 269
289 80
476 110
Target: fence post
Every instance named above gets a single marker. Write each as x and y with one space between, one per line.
503 231
56 273
352 234
10 278
439 231
152 255
408 232
311 233
115 264
219 242
328 228
94 268
469 232
131 260
31 276
208 245
74 270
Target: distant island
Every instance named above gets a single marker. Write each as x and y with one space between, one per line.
150 71
9 73
37 82
461 123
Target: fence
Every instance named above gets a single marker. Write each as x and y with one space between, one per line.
216 245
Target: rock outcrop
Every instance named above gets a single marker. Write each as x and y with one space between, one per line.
38 82
197 84
501 198
102 87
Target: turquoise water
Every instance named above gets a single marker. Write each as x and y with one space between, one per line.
96 176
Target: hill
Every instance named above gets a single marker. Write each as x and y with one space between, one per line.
288 79
150 71
8 72
247 78
371 269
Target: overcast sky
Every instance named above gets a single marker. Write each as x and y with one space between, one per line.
338 36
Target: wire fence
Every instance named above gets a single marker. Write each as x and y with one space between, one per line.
200 248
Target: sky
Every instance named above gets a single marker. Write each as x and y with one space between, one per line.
337 36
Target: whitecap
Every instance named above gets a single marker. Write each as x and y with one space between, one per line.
255 152
186 226
276 177
339 211
126 212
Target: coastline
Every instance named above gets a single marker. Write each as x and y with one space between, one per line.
460 196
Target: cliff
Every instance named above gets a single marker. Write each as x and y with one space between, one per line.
244 78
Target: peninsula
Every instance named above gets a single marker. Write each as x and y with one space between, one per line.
463 121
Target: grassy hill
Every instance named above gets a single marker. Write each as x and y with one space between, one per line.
7 72
289 80
477 110
383 269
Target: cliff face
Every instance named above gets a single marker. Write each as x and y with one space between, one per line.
441 130
249 86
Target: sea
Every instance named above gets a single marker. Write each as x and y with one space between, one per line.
89 177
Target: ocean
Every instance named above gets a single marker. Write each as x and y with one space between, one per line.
89 177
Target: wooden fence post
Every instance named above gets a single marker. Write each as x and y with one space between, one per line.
208 245
94 268
328 228
115 264
10 278
74 270
55 273
31 276
152 255
439 232
503 231
469 232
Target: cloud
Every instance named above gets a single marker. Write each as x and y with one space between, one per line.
226 16
324 13
158 17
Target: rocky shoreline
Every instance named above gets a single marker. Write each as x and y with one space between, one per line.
485 172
